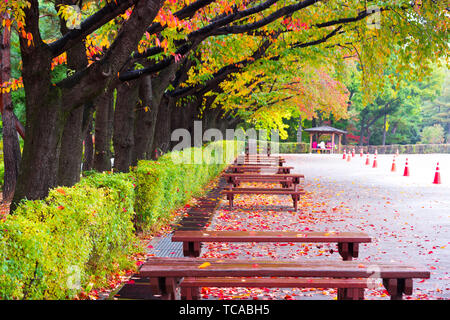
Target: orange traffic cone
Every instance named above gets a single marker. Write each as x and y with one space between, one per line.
353 152
361 153
345 151
367 160
393 168
406 172
437 175
375 163
348 157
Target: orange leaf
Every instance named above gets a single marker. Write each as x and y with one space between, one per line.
204 265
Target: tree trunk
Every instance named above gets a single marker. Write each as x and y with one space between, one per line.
159 129
210 116
299 130
103 131
70 157
39 167
11 147
123 138
145 122
183 117
11 151
161 141
362 131
71 149
48 103
88 147
369 134
45 120
384 130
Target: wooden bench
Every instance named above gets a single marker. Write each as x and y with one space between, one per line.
273 161
166 274
268 151
286 180
261 157
348 289
139 287
348 242
295 194
255 162
257 153
259 169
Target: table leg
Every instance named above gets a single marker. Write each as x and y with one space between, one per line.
230 198
191 293
354 249
350 294
344 251
164 287
397 287
295 199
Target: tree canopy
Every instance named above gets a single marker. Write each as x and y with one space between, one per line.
141 68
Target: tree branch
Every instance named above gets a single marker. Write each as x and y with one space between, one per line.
318 41
185 13
107 13
207 30
222 74
89 81
265 21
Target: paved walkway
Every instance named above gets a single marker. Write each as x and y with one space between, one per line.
408 218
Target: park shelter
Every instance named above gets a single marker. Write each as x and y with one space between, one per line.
325 130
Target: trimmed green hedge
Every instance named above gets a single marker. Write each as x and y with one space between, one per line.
293 147
62 245
166 184
52 248
282 147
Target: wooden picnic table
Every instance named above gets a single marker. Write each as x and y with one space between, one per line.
286 180
268 150
166 274
347 289
348 242
259 169
295 194
261 157
241 160
258 163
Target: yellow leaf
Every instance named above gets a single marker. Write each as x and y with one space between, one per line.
204 265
